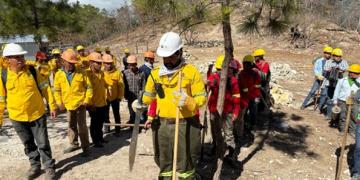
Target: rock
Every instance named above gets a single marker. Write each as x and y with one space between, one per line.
280 95
282 71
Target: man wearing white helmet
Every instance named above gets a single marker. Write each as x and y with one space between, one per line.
163 87
24 89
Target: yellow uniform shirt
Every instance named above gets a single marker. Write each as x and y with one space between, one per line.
72 95
53 65
99 88
191 83
3 63
115 85
83 62
24 101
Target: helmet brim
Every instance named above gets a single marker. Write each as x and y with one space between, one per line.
164 53
15 54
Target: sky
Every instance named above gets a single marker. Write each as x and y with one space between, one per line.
107 4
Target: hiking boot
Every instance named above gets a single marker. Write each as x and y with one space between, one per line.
98 145
71 149
33 172
50 174
86 152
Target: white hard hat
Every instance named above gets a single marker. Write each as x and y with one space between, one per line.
13 50
170 42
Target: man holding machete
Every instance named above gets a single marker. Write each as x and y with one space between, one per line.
188 97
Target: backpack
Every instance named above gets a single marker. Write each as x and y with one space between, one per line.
32 71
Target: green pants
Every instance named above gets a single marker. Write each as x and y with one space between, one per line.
188 147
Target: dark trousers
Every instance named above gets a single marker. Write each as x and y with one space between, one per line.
115 105
131 111
31 132
253 111
323 97
188 147
312 93
342 118
96 124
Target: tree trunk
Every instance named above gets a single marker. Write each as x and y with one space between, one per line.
36 23
220 151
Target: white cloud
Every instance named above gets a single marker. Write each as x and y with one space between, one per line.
102 4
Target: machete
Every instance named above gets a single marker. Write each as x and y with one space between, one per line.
135 133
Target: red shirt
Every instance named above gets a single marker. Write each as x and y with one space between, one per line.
232 95
263 66
250 84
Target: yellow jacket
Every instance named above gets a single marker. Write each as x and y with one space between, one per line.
75 94
191 83
115 85
4 64
24 101
53 65
99 88
83 62
43 68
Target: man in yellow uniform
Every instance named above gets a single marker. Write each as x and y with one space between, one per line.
73 92
24 91
97 110
115 86
107 51
191 97
83 61
54 63
41 64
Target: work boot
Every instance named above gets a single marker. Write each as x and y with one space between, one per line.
33 172
50 174
86 152
71 149
98 145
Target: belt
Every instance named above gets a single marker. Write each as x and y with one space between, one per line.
173 120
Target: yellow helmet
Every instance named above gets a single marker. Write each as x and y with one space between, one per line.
337 52
126 50
55 51
219 61
355 68
248 58
259 52
80 47
98 49
328 49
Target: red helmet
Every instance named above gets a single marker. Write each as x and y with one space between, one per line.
235 64
40 55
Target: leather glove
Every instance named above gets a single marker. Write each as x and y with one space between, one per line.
183 100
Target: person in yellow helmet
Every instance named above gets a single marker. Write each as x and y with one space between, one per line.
191 97
22 92
83 61
319 75
334 70
115 87
54 64
344 87
108 51
73 92
127 54
354 74
98 108
264 70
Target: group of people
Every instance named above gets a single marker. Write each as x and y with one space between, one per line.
336 86
73 82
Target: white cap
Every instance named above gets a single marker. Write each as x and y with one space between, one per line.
13 50
170 42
